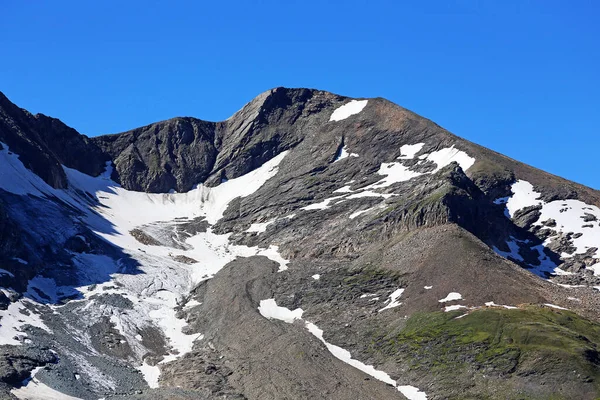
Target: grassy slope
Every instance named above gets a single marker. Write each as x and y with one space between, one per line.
530 353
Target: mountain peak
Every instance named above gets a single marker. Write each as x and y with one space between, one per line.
317 238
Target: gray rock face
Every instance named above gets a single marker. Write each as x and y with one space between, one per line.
174 154
351 241
44 143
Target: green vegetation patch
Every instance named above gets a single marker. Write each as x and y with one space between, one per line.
499 342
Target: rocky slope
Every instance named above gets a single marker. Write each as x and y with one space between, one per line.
310 246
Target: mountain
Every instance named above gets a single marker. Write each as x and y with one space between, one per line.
311 246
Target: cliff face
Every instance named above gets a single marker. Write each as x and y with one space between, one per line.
310 246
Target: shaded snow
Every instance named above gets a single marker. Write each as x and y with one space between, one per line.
348 109
513 252
17 179
36 390
343 153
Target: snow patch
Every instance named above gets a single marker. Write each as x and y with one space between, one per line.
492 304
453 308
348 109
573 216
151 373
260 227
322 205
409 151
393 299
555 306
316 277
523 196
448 155
451 297
343 153
269 309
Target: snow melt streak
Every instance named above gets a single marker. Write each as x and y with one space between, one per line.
269 309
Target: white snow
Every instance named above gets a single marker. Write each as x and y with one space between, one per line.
448 155
492 304
348 109
453 308
409 151
361 212
427 287
568 215
345 356
321 205
161 283
555 306
412 393
451 297
393 299
344 189
166 318
394 172
316 277
269 309
369 193
151 374
260 227
570 220
523 196
344 154
12 320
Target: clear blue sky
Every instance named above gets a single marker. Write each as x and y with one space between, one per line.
521 77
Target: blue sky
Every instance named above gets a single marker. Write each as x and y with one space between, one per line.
521 77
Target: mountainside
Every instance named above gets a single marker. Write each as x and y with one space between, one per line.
311 246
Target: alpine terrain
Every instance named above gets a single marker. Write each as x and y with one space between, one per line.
311 246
